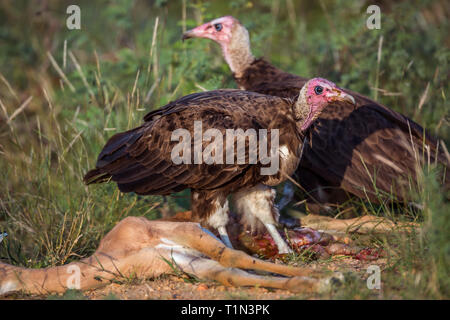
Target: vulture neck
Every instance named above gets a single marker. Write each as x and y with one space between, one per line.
301 107
237 52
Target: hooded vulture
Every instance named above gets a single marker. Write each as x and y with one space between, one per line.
367 150
190 143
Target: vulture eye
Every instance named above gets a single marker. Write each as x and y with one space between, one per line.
318 90
218 26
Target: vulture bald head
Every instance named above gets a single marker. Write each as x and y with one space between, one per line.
220 30
157 157
315 95
232 37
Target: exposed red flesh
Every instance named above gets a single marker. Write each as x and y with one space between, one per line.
302 240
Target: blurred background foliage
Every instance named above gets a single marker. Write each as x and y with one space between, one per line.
63 92
309 38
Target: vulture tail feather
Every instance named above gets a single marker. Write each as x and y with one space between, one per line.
115 150
96 176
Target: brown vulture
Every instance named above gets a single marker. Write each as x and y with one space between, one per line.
182 145
368 150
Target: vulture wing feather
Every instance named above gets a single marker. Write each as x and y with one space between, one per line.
139 160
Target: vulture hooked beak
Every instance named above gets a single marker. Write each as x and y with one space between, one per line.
338 94
189 34
186 35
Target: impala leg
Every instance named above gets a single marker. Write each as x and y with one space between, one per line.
209 269
365 224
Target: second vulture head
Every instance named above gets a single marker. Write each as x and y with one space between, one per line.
219 30
315 95
232 37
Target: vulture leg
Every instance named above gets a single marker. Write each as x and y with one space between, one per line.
215 208
223 234
258 202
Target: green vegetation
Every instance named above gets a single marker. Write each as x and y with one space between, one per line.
128 59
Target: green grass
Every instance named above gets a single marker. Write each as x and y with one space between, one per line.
128 59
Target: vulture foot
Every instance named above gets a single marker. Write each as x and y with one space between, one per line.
224 237
280 243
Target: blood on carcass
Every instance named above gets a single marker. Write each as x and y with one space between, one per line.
301 240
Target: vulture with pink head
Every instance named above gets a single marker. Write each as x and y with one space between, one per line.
367 150
182 145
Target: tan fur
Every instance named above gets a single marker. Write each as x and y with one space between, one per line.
137 247
364 225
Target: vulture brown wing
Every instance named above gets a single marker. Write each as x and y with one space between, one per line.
345 134
358 149
191 100
140 160
263 77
